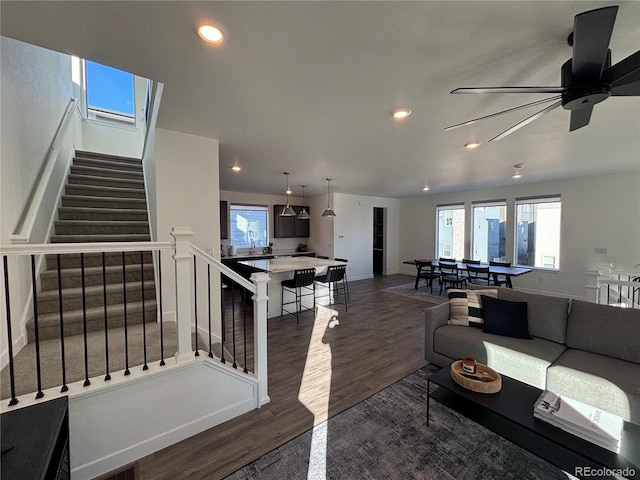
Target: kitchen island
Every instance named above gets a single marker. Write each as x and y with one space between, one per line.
282 268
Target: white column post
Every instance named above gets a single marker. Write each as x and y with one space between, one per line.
260 279
184 259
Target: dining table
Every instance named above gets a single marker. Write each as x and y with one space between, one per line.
494 270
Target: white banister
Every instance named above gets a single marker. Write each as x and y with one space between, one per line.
260 334
26 222
183 259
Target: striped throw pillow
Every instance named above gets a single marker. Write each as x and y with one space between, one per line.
465 306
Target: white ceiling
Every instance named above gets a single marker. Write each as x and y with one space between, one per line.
308 87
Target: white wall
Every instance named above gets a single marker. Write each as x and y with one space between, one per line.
353 233
36 88
187 196
599 211
279 244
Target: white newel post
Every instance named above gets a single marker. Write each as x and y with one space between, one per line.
260 334
184 260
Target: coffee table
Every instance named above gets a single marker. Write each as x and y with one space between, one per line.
509 413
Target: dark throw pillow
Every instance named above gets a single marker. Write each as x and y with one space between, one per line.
502 317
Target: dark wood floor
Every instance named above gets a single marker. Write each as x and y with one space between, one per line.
314 373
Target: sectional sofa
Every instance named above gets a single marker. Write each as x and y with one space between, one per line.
583 350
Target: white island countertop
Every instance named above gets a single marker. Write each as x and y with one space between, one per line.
289 264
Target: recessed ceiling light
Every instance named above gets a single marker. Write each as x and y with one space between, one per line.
425 188
516 170
401 113
210 34
236 168
471 145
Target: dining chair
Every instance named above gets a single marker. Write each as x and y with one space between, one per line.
450 275
346 280
478 275
302 281
427 270
445 259
336 281
468 261
499 280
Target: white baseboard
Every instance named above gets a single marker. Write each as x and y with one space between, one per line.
18 344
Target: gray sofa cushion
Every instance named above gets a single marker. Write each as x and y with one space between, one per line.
547 315
524 360
611 331
604 382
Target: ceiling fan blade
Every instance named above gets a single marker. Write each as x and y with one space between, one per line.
580 118
509 90
591 35
623 73
469 122
526 121
631 89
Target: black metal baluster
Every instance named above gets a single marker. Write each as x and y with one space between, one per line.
195 301
144 321
160 293
84 324
12 380
124 303
222 317
244 333
209 303
233 321
64 387
40 393
107 376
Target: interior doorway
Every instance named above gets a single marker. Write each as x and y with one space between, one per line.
378 240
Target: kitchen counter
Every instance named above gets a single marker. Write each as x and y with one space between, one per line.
249 256
289 264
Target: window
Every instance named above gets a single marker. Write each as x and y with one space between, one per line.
249 223
537 237
450 231
489 235
110 94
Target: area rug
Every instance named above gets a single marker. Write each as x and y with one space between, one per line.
422 294
386 437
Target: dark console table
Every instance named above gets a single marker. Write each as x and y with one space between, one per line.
35 442
509 413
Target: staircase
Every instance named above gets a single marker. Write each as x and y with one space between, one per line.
104 201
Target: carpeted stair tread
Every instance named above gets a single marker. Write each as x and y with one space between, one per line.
105 172
48 300
101 214
128 237
72 260
100 191
106 163
107 156
72 277
49 323
79 179
103 227
103 202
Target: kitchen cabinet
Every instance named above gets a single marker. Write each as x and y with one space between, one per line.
224 220
290 227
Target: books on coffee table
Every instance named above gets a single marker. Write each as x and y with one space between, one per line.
585 421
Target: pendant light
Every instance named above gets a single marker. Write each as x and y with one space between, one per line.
303 215
328 211
287 211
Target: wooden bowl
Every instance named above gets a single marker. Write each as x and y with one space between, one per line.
485 380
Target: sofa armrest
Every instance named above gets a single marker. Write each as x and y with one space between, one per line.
434 317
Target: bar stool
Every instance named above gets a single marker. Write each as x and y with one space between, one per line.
302 279
346 280
335 279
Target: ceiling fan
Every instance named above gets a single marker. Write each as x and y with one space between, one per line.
587 78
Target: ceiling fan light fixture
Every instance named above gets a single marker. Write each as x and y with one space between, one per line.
211 34
401 113
328 212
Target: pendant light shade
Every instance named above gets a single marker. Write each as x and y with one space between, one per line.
287 211
303 215
328 212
